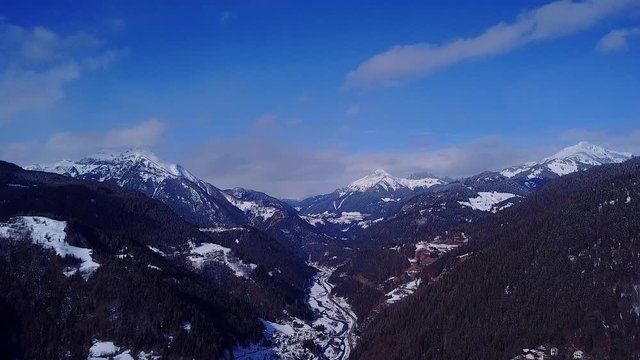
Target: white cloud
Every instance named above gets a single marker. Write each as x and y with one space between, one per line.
256 162
286 169
616 40
353 110
73 145
294 170
21 90
629 141
290 170
38 63
482 154
556 19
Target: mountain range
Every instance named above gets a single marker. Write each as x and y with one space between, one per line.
385 249
379 198
195 200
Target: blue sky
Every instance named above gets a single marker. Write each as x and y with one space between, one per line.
296 98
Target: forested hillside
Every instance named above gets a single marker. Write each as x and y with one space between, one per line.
562 267
150 290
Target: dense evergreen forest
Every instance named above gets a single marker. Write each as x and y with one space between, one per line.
562 267
127 300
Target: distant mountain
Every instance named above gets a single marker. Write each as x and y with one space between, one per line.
278 219
198 202
195 200
426 219
489 192
361 203
574 158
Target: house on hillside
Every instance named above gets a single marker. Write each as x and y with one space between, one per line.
542 352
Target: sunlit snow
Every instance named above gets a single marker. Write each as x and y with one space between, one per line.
485 200
207 252
402 291
50 234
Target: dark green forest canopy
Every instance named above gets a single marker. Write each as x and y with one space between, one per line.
126 301
559 267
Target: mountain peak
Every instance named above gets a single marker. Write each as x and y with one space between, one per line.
381 172
570 159
378 177
589 153
381 178
112 163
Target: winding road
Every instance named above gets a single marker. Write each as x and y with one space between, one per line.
334 312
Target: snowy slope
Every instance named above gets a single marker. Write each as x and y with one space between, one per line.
195 200
486 200
466 199
353 207
254 208
276 218
574 158
384 180
50 234
210 252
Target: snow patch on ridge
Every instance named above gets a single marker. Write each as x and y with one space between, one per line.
103 350
252 207
388 182
345 218
50 234
485 201
569 160
435 248
208 252
402 291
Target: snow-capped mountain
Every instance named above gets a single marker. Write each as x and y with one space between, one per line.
382 180
91 245
195 200
574 158
488 192
363 202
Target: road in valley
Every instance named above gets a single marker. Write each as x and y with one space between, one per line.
335 315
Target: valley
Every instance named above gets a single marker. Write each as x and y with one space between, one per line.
329 277
331 333
304 180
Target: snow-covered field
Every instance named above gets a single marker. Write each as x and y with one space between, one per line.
253 208
222 229
365 224
103 350
486 201
402 291
207 252
50 234
434 248
344 218
331 333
